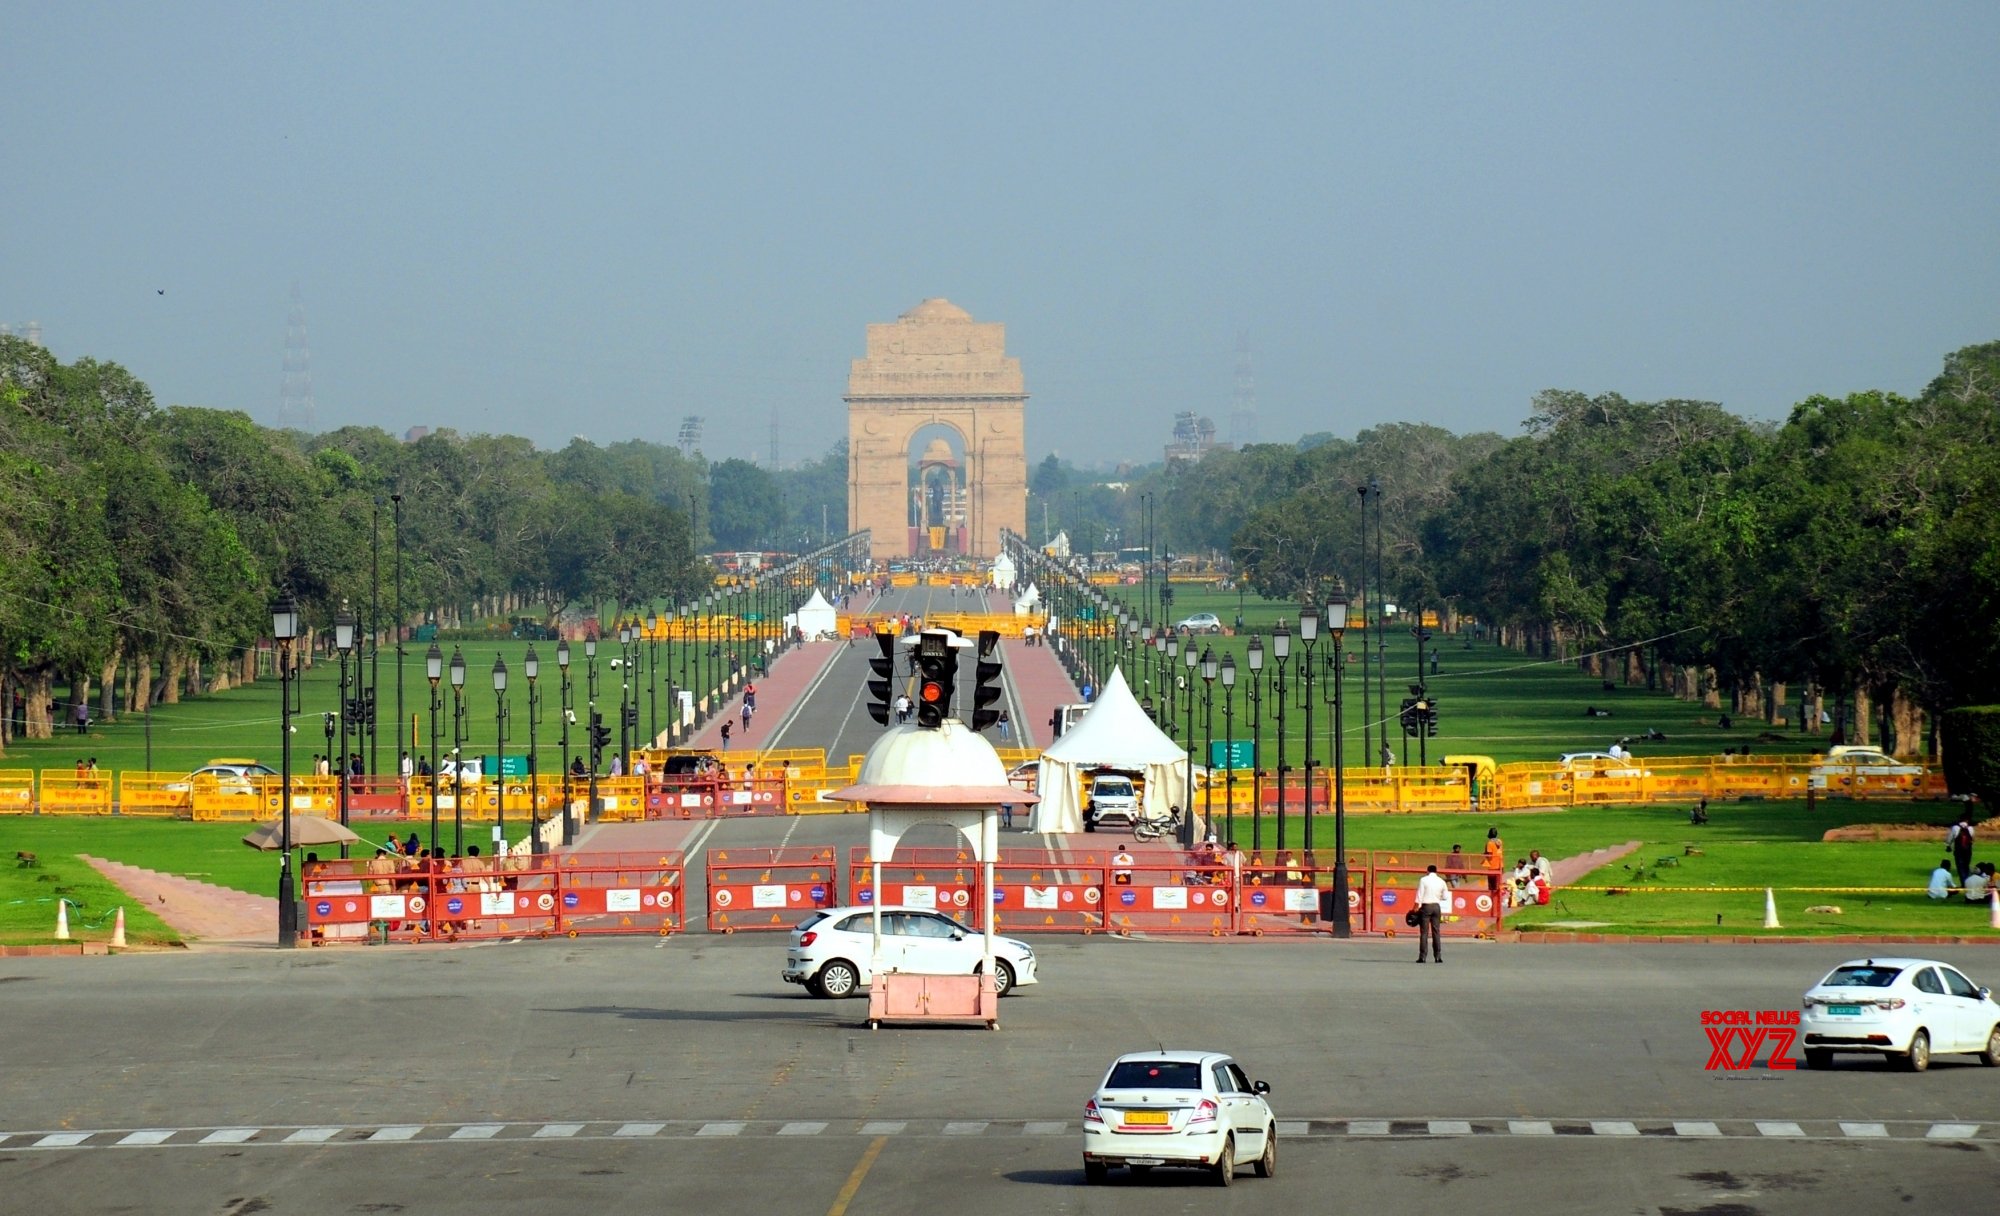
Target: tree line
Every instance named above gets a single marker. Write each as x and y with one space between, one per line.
1850 550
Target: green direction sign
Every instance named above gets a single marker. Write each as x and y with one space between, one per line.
753 616
1232 753
510 766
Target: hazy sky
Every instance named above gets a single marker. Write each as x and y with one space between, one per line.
558 220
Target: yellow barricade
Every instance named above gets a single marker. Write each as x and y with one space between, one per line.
69 794
17 791
163 795
619 799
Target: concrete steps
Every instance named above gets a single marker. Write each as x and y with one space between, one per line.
199 911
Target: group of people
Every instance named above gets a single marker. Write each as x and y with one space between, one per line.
1958 871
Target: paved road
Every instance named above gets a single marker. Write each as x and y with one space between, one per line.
681 1076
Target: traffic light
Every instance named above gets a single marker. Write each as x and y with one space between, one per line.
630 720
937 673
600 738
1408 716
986 680
882 681
1431 718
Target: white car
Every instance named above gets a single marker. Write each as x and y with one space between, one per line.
1599 764
1200 622
1111 796
224 776
1847 766
830 950
1906 1007
1179 1108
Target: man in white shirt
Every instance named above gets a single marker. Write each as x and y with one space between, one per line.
1432 896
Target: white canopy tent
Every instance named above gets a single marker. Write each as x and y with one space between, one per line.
815 617
1029 600
1003 573
1115 734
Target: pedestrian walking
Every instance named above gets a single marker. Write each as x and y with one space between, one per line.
1006 726
746 717
1432 895
725 735
1959 838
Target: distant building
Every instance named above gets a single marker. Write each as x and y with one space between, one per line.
1194 437
415 433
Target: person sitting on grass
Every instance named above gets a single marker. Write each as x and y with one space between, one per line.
1981 885
1699 815
1941 879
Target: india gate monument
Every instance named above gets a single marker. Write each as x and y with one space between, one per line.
935 368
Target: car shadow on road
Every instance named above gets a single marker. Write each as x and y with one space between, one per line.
1073 1177
806 1015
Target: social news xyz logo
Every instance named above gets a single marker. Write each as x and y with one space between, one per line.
1737 1036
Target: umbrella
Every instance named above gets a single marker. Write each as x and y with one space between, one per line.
306 830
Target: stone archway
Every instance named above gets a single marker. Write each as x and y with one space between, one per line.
936 365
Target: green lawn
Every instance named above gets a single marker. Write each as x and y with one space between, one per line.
1492 702
211 852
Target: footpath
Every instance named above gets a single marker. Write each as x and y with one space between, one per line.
201 912
1040 683
779 692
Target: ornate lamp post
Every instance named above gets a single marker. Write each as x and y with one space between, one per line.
1229 742
457 753
1308 635
1146 636
568 713
1209 670
652 678
1367 715
687 643
532 667
500 746
397 623
624 666
434 671
1281 650
590 669
1255 656
343 642
285 628
1187 807
1336 624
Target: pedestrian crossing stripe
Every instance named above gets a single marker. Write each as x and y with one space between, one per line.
322 1135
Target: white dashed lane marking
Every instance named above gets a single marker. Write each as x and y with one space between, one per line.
1908 1130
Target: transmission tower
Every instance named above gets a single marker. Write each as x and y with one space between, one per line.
1243 401
295 388
690 436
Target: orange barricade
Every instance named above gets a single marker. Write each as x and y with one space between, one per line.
710 797
946 880
1040 892
1184 896
1283 896
769 888
1476 903
517 896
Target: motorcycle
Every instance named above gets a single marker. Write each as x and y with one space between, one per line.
1153 826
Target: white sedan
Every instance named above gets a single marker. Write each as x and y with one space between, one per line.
830 950
1179 1108
1905 1007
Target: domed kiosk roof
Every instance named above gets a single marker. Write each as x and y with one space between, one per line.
937 308
951 764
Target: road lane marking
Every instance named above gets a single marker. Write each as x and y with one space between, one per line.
230 1135
1952 1131
883 1129
1612 1127
853 1183
1778 1127
153 1136
407 1131
720 1129
1530 1127
62 1139
1367 1127
1696 1127
640 1129
312 1135
1864 1130
557 1131
802 1129
964 1129
478 1131
1450 1127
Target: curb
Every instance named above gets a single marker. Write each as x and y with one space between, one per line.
1842 939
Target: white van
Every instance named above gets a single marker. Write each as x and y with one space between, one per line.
1111 797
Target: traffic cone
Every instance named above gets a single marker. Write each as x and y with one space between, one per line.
118 930
1995 901
1771 910
62 919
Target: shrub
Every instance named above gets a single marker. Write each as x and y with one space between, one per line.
1972 751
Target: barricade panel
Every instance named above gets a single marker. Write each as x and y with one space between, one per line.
517 896
68 794
1476 903
769 889
1186 896
17 791
153 795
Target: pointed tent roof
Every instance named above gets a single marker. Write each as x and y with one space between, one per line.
1116 732
817 601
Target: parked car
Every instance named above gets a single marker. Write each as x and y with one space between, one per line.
1200 622
830 950
1178 1108
1599 764
1111 798
1909 1008
226 775
1024 777
1846 765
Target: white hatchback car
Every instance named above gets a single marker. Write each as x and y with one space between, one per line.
1200 622
830 950
1178 1108
1905 1007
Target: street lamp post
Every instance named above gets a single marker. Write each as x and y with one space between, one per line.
1209 670
1336 624
396 507
652 678
1367 714
590 671
532 667
1255 656
568 712
1308 635
687 641
1187 815
285 628
624 690
343 642
457 753
434 671
500 748
1281 649
1229 743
